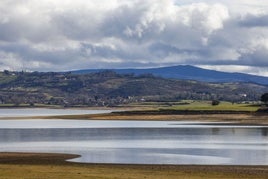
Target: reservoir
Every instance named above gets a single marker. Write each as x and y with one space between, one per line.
30 112
139 142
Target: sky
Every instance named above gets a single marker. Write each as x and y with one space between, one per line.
63 35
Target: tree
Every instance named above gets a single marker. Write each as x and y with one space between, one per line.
6 72
215 102
264 98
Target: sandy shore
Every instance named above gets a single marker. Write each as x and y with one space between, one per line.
249 119
33 165
142 114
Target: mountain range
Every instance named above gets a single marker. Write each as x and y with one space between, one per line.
187 72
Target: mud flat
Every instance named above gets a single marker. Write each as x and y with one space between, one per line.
33 165
236 117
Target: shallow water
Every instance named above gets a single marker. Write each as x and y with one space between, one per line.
139 142
27 112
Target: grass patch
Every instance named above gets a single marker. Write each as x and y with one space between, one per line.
206 105
197 106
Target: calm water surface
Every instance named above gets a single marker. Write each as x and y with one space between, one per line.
27 112
139 142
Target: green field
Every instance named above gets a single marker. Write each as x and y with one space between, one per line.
191 105
206 105
199 105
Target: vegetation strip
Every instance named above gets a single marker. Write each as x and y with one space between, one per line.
180 112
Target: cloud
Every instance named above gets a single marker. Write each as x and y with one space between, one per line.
237 68
253 20
56 35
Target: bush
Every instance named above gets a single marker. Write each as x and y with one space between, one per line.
264 98
215 102
263 110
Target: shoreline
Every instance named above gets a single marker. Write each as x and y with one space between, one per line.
52 165
248 118
156 114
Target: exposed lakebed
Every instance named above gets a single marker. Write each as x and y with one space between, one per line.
139 142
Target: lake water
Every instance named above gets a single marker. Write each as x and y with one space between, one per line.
139 142
28 112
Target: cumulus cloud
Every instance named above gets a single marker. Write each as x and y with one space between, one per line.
56 35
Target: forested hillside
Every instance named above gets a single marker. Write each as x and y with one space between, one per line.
109 88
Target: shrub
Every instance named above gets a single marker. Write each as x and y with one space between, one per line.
215 102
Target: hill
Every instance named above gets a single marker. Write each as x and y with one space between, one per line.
108 88
188 72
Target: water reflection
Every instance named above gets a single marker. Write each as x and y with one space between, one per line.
215 131
264 131
180 144
23 112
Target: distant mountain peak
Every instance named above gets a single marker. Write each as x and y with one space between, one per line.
188 72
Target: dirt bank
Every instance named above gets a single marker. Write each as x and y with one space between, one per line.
32 165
